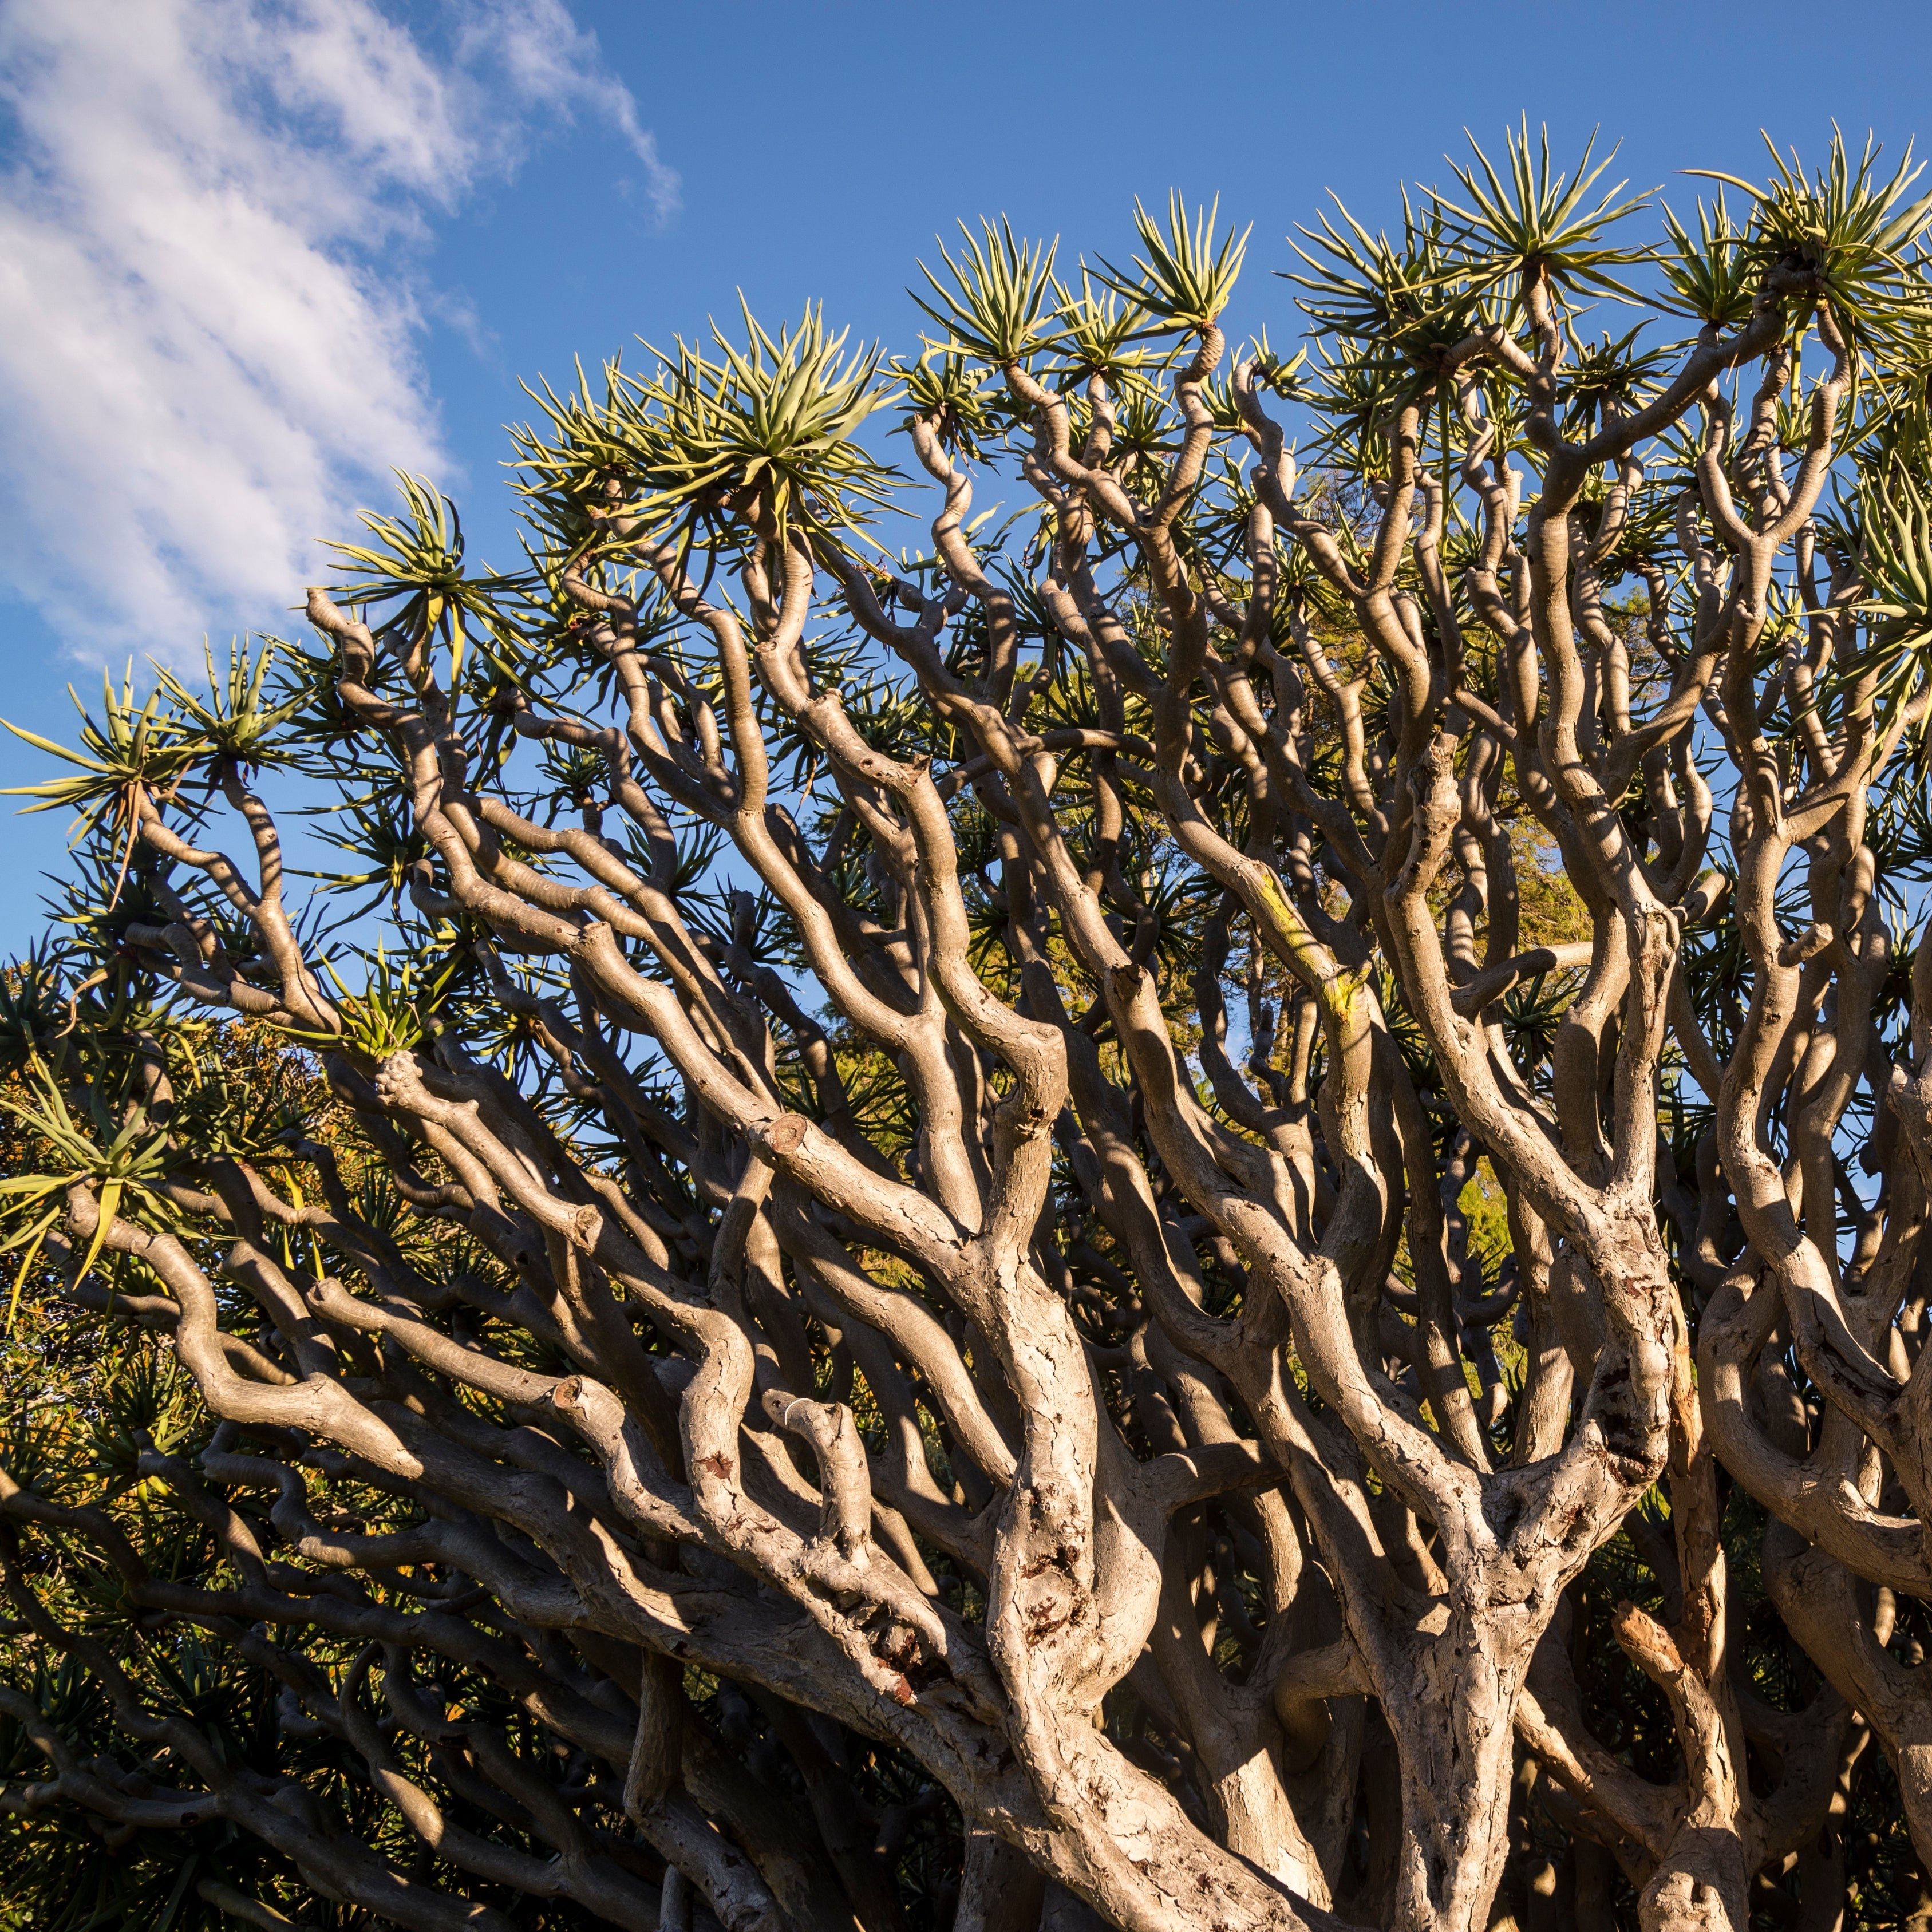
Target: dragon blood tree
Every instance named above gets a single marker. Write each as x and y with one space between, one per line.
746 1339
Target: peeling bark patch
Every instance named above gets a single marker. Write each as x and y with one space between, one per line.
1053 1611
899 1647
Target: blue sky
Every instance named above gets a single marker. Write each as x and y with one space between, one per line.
253 255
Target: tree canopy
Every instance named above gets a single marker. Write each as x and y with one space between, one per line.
1091 1128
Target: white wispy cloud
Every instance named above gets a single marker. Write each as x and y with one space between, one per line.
208 353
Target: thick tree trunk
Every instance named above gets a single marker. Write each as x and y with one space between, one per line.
1454 1723
1701 1886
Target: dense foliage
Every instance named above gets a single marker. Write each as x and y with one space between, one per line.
1200 1204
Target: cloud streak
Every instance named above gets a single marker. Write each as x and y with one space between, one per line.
202 367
